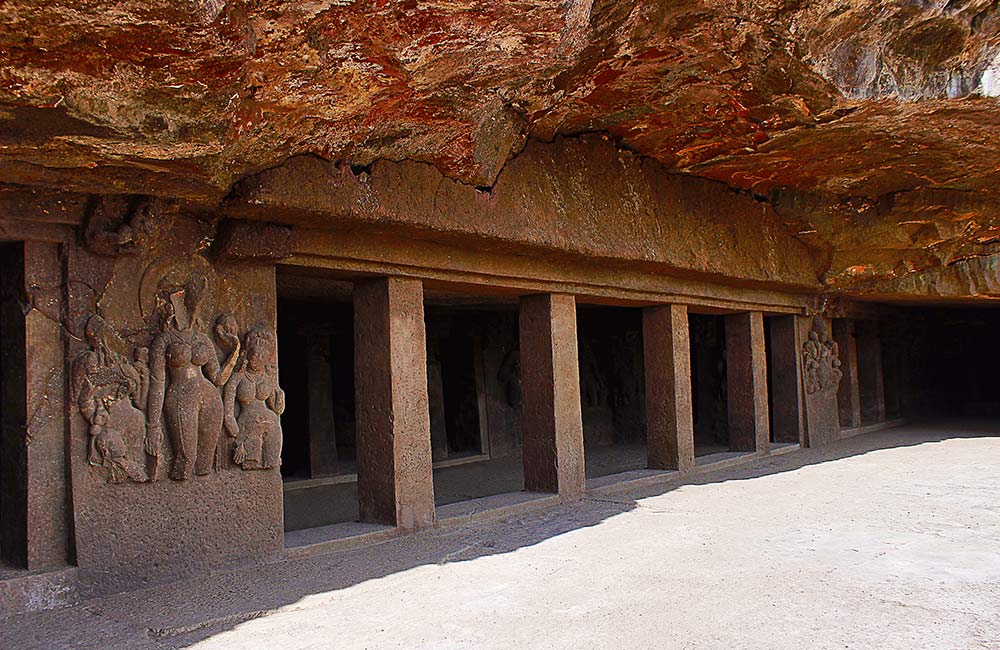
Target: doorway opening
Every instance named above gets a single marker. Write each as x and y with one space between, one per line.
709 388
781 352
948 360
474 396
316 370
13 411
612 388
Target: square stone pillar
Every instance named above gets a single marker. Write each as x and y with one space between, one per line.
746 378
892 375
870 381
667 360
395 481
786 380
551 411
33 495
319 382
848 395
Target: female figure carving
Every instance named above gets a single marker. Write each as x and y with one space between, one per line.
185 377
257 427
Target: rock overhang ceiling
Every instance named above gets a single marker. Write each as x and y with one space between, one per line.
869 126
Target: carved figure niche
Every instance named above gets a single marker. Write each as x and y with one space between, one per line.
191 383
821 360
186 377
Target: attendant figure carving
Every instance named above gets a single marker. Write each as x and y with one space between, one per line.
109 444
108 390
820 358
254 403
185 377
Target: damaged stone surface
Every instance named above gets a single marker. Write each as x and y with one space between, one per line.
173 400
582 197
866 124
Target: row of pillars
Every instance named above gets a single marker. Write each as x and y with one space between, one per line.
395 481
862 396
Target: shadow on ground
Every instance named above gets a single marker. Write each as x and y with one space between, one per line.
181 614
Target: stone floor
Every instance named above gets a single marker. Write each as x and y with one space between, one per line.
888 540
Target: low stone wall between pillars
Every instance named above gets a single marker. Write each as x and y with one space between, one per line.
746 367
667 361
395 480
551 411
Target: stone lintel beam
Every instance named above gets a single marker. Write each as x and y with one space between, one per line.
551 412
747 382
254 241
667 361
395 481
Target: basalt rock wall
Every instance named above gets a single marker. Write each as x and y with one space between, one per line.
851 119
583 197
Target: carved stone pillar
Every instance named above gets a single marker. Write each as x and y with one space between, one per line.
667 360
746 369
319 381
786 379
33 473
395 481
892 375
821 377
870 380
849 395
174 420
551 412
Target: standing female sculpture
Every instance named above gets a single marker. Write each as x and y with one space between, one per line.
184 382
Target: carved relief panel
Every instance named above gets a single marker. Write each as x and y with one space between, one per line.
110 392
821 360
178 387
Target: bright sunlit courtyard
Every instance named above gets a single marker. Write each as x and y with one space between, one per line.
890 540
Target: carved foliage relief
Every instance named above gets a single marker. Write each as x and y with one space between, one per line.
821 360
189 392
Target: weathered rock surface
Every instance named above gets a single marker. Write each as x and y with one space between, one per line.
868 125
580 196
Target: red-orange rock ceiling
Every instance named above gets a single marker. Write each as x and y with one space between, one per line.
869 125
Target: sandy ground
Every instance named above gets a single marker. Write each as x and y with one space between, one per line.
890 540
